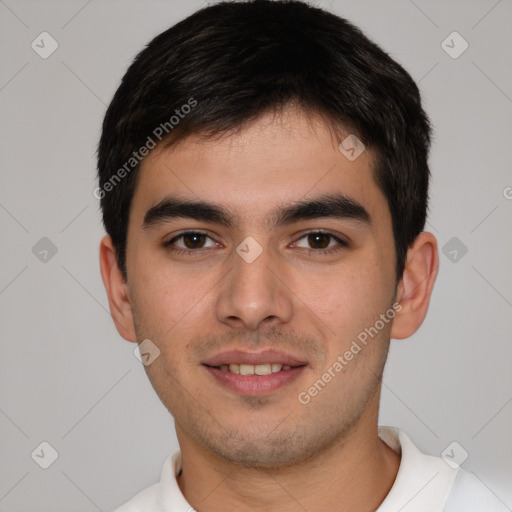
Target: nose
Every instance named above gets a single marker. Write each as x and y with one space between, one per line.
254 295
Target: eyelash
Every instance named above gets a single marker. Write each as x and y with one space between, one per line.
317 252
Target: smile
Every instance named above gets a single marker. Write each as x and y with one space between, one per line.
254 380
254 369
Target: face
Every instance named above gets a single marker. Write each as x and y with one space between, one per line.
287 260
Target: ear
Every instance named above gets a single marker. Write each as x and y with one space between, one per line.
117 290
415 288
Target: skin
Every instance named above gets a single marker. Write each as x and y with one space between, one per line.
269 453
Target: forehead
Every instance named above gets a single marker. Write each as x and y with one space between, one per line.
273 161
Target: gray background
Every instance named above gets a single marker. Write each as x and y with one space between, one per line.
67 378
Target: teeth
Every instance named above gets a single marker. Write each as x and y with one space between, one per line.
263 369
246 369
254 369
233 368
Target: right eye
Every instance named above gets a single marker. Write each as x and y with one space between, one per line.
189 242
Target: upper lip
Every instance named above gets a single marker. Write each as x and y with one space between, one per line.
263 357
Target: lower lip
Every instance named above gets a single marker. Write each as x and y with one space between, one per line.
255 385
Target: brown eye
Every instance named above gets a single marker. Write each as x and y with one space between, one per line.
194 240
320 242
190 241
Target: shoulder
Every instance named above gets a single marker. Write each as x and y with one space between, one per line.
428 483
142 501
163 495
470 494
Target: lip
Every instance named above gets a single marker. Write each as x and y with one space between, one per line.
255 385
263 357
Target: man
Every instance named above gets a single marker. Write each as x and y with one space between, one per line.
264 186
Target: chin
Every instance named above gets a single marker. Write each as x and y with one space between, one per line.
268 450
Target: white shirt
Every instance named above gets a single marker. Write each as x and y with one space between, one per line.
423 484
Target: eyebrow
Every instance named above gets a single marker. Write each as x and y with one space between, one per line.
336 206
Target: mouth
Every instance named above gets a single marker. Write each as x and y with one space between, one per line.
254 374
254 369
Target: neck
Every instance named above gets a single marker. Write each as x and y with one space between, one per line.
354 475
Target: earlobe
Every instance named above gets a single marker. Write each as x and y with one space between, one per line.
415 288
117 290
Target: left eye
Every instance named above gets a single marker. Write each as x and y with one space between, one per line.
319 240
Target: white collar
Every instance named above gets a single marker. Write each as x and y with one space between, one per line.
422 484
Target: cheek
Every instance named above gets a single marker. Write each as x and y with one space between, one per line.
156 285
170 301
349 299
158 301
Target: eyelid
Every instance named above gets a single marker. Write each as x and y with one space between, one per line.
338 238
188 232
337 250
